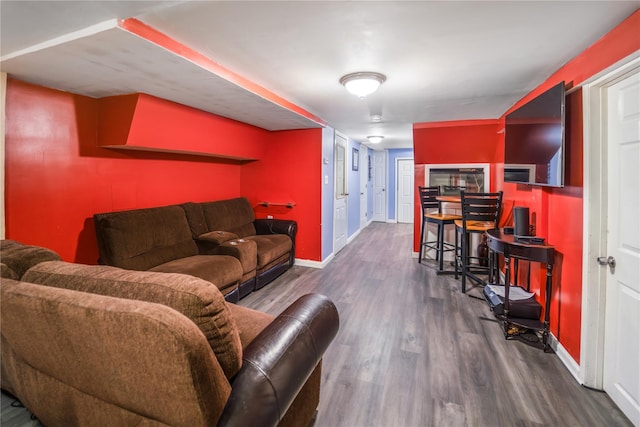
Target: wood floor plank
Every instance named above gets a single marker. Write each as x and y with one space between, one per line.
438 356
413 351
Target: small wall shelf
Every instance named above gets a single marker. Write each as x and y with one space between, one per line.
212 156
289 205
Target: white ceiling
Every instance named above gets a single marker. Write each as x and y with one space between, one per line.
444 60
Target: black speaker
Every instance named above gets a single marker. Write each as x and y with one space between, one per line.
520 221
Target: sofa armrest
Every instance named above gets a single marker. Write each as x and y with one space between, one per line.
278 362
277 226
216 237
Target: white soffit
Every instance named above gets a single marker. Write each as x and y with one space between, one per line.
106 60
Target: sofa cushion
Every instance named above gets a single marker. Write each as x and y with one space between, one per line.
244 250
217 237
144 238
197 299
271 247
249 322
19 257
223 271
7 273
232 215
195 218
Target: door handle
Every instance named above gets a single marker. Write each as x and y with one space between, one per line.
610 261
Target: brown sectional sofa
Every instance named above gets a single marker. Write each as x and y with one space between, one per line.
265 247
159 239
220 241
99 345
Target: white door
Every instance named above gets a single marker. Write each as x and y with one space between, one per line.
622 317
379 177
404 193
340 192
364 179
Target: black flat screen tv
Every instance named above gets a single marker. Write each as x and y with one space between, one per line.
534 151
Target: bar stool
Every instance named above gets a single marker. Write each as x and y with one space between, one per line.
429 202
480 212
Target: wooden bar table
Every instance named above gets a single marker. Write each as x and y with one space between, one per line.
450 199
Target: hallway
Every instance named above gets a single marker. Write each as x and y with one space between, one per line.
412 350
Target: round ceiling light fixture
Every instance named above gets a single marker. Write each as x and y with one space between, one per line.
374 139
376 118
362 83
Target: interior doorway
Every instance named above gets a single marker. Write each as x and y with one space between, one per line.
364 181
610 341
340 194
404 191
379 171
621 375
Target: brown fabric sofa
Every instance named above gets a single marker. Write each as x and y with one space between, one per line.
98 345
265 247
159 239
16 258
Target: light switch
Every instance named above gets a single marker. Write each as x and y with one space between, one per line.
326 179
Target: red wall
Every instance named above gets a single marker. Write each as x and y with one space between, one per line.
290 172
472 141
143 121
57 176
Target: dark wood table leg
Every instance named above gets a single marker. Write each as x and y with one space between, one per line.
507 279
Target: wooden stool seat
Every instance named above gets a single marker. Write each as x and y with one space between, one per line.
476 225
443 217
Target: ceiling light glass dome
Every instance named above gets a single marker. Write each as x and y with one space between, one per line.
362 83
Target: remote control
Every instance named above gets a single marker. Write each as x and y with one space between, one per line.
531 239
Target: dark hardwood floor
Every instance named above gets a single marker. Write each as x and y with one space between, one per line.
413 351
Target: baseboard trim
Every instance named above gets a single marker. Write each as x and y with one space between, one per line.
353 236
572 366
314 264
391 221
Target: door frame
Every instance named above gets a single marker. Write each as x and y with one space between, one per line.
398 160
385 182
364 179
3 102
594 276
336 136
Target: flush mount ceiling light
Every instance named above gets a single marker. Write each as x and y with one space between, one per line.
362 84
374 139
376 118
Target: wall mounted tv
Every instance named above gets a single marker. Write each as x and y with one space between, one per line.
534 140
